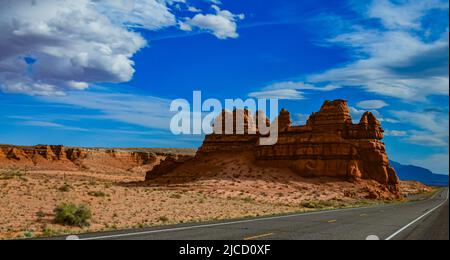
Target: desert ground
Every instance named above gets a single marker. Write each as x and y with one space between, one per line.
121 199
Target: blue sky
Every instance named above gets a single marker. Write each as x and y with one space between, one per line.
103 73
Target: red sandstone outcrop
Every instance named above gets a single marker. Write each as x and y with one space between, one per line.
48 152
260 115
17 154
329 145
247 124
58 157
170 164
284 120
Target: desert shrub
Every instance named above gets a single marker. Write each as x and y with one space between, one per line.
70 214
318 204
40 215
12 174
175 196
141 226
100 194
163 219
47 232
65 188
309 205
247 199
28 234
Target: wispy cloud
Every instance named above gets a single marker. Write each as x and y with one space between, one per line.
372 104
54 121
395 133
402 58
438 163
282 94
358 113
403 15
397 59
46 124
62 123
289 90
140 110
427 128
399 65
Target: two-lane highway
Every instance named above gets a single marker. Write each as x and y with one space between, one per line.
427 219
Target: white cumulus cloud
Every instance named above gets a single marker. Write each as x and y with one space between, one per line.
49 47
223 24
71 43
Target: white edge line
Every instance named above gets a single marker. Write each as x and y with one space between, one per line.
218 224
419 218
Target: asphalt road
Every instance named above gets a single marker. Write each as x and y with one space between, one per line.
420 220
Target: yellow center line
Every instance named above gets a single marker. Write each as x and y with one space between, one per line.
260 236
332 221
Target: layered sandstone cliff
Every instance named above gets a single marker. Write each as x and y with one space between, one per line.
329 145
58 157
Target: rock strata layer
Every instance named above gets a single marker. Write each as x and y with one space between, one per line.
329 145
58 157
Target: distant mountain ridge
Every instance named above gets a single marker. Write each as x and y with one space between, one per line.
416 173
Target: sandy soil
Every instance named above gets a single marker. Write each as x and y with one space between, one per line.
27 203
231 189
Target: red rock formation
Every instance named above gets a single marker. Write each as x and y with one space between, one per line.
260 115
45 151
170 164
142 158
328 145
60 152
76 154
220 139
58 157
16 154
284 120
2 154
246 125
